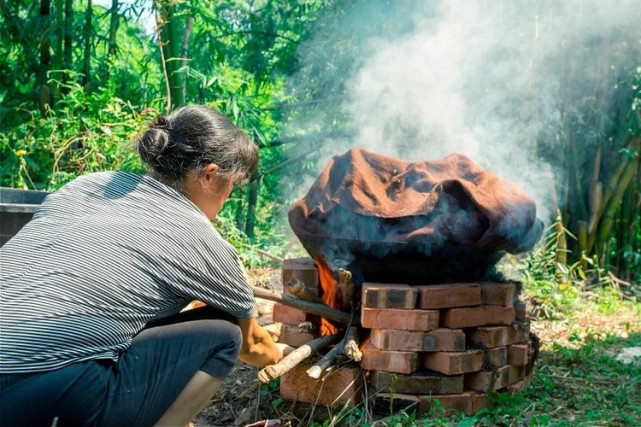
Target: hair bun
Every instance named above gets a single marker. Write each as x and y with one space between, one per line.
154 142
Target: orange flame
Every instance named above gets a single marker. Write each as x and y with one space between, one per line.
331 294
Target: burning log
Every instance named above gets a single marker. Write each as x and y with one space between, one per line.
298 289
347 288
306 306
326 361
350 348
295 357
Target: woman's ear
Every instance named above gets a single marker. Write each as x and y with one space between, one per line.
208 174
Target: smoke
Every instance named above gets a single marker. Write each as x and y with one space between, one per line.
421 80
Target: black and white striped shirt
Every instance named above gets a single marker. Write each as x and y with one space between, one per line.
102 256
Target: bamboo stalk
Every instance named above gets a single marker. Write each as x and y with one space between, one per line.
583 242
326 361
613 203
294 358
306 306
561 240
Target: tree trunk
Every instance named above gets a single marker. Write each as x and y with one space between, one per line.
45 54
58 46
86 62
251 210
183 55
114 21
171 39
68 28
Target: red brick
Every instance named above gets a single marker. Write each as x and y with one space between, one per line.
515 374
520 310
377 295
404 362
340 386
496 357
517 354
466 317
515 388
393 318
499 293
446 296
488 336
464 402
479 401
488 380
417 383
518 333
294 336
303 269
285 314
437 340
454 363
390 403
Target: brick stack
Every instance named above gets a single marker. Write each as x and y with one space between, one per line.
292 332
450 342
343 385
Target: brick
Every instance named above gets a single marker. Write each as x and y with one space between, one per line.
454 363
488 380
341 386
437 340
285 314
466 403
390 403
517 354
484 315
518 333
446 296
520 310
496 357
294 336
515 388
403 362
377 295
392 318
488 336
516 374
303 269
417 383
503 294
479 401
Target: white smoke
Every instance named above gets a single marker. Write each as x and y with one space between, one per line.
482 79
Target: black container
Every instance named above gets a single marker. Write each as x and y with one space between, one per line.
16 209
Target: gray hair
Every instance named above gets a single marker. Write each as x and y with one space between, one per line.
191 138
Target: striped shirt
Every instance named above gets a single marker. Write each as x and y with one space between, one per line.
103 256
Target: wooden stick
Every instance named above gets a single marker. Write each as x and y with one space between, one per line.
306 306
326 361
347 288
350 348
295 357
299 290
262 252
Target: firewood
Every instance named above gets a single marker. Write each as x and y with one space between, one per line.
347 288
350 348
294 358
299 290
326 361
306 306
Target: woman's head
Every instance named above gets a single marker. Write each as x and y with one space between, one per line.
199 152
193 137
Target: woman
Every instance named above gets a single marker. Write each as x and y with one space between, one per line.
92 287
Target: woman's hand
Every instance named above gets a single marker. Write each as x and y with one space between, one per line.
258 348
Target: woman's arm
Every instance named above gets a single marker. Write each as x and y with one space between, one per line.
258 348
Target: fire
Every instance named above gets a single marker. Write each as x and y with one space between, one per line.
331 294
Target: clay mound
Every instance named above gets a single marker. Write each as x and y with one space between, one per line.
449 218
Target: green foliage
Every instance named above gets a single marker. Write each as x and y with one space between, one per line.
87 132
